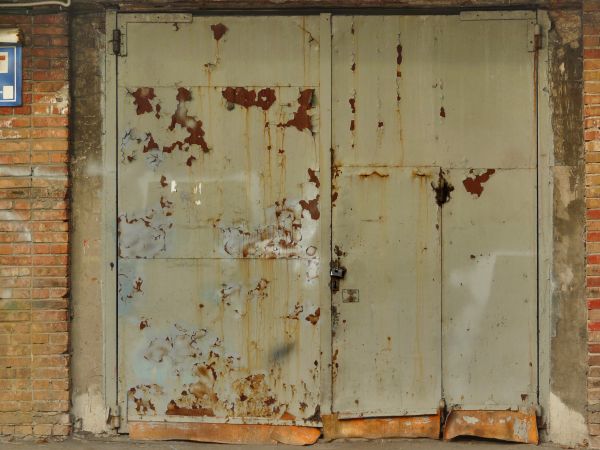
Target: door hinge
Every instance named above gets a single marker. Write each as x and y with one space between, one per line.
534 34
114 417
116 41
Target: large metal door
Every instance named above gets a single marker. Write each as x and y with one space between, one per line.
434 136
219 221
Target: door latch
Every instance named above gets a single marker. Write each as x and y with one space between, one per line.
337 273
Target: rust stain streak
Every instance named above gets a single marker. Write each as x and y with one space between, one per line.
375 173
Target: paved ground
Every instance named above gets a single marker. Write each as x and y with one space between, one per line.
396 444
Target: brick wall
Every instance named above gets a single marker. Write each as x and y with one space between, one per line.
34 373
591 76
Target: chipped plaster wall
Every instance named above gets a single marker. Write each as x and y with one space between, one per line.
88 405
568 393
567 403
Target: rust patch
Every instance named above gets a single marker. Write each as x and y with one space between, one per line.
514 426
260 401
295 315
398 60
174 410
137 285
301 120
190 160
141 397
353 67
144 324
142 97
243 97
151 145
474 185
218 31
442 112
312 206
379 124
316 416
312 177
352 101
287 416
352 125
260 291
163 181
190 123
314 317
382 428
375 173
442 189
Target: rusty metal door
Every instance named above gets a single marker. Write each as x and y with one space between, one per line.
219 222
434 213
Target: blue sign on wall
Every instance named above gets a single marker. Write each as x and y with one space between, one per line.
10 75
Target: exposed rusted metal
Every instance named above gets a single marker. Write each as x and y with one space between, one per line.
142 97
442 190
514 426
301 120
474 184
312 206
442 112
312 177
247 98
190 123
314 317
427 426
218 31
224 433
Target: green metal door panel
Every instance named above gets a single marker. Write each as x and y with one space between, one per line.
236 193
220 340
424 93
386 344
219 221
433 91
224 51
489 301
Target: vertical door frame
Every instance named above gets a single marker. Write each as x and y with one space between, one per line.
545 154
325 157
109 222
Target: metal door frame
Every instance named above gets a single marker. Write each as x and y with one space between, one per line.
110 204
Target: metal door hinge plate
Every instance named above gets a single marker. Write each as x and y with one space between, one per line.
534 37
114 417
116 42
497 15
